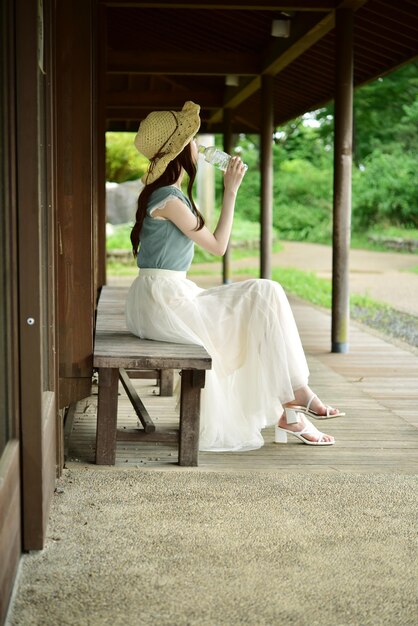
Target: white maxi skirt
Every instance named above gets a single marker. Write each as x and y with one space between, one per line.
249 331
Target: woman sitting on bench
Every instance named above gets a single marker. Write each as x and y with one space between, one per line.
259 373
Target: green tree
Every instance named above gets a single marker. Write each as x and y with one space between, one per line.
385 158
407 130
123 161
299 140
379 108
302 195
385 190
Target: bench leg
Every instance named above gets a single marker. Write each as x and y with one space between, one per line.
107 408
192 381
166 382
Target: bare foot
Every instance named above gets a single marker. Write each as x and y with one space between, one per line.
300 425
302 398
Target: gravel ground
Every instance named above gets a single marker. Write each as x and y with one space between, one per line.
389 321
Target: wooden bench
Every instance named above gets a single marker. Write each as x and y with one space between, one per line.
119 355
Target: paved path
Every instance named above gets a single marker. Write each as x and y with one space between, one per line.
382 276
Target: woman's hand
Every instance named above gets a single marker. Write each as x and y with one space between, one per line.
234 174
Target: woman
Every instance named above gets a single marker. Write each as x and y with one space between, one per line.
259 373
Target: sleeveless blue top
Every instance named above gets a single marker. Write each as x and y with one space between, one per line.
162 244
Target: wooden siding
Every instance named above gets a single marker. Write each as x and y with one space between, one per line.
74 176
35 224
10 526
10 473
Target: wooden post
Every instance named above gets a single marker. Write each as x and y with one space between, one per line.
10 449
99 91
266 165
35 221
74 176
226 260
166 382
107 410
342 179
192 381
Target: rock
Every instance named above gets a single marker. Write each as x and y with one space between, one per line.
121 201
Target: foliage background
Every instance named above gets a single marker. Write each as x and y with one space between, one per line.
385 158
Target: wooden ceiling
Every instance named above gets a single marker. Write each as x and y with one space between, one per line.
160 54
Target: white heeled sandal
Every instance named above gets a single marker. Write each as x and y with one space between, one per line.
308 411
280 434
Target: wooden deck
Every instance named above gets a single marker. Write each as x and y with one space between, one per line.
376 384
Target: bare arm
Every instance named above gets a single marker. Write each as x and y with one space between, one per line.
216 243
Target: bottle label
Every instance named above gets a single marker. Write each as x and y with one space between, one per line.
216 157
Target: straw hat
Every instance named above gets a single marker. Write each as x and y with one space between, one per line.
162 135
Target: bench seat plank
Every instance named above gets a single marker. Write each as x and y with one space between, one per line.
122 349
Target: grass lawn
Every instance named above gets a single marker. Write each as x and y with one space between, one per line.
303 284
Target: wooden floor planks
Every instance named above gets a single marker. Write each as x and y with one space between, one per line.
376 384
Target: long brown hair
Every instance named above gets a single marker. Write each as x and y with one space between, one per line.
169 177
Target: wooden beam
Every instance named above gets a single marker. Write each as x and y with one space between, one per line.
138 113
316 31
275 64
162 99
182 62
138 405
351 4
248 88
232 5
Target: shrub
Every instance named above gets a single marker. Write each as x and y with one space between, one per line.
303 200
385 190
123 161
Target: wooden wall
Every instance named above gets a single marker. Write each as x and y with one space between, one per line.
36 295
75 195
10 528
52 250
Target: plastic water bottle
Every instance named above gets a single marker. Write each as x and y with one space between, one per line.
216 157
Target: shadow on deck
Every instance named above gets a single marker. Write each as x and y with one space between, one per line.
376 384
